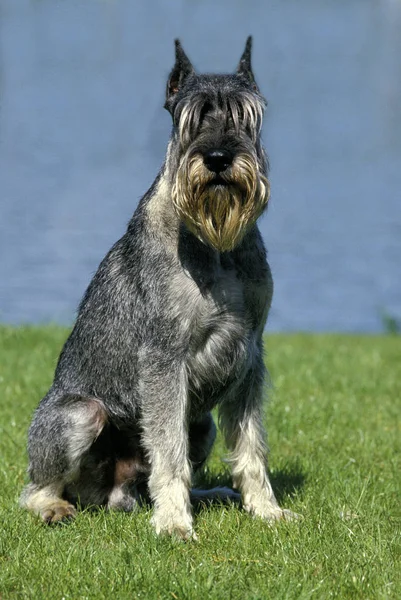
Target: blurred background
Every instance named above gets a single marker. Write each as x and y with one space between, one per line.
83 134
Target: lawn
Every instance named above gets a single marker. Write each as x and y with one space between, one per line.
334 433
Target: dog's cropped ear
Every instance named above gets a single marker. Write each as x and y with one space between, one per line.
181 70
244 67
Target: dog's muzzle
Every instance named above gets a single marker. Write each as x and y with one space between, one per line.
219 197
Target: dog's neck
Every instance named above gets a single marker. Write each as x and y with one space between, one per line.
162 218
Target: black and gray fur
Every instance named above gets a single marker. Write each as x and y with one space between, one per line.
168 328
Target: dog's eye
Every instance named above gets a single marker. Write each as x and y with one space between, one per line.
206 108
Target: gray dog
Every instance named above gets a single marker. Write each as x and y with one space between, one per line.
170 327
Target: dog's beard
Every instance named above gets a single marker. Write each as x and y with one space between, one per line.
219 210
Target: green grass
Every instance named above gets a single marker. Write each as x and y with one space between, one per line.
335 458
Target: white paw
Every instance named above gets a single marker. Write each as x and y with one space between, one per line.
121 499
179 525
281 514
270 511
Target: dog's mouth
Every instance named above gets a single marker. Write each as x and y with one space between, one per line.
218 181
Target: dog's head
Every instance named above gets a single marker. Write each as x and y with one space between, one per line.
216 158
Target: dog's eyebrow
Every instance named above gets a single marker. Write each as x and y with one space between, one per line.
191 116
233 110
245 111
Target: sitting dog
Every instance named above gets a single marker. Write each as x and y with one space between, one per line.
170 327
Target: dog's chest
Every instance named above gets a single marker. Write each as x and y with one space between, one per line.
221 340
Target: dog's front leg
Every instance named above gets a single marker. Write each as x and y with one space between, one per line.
165 437
242 422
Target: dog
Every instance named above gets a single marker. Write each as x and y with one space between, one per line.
170 327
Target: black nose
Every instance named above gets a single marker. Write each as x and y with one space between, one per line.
217 160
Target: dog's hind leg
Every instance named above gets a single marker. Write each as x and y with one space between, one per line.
62 432
47 502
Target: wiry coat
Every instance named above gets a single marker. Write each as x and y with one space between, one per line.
168 328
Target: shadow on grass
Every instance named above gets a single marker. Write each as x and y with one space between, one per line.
286 482
217 489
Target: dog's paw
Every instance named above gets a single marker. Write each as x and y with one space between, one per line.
175 525
57 512
270 511
281 514
121 500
